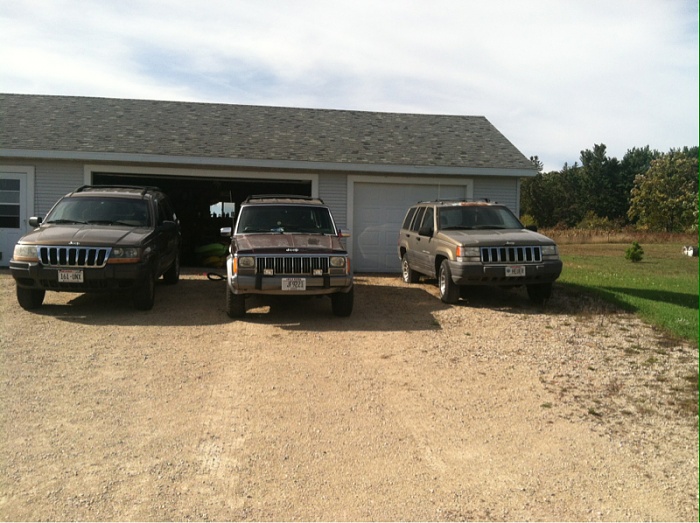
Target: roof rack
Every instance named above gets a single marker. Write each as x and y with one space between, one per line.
282 197
141 188
446 200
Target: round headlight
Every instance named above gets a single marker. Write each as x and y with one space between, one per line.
246 262
337 261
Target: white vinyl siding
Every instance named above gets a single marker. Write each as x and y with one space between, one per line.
378 210
501 190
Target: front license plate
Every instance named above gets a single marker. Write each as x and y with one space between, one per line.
293 284
515 271
70 276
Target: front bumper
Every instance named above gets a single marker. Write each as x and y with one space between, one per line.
481 274
115 277
315 285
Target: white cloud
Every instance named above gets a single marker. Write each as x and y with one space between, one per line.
555 77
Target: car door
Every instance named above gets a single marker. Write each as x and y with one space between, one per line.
424 251
167 236
412 244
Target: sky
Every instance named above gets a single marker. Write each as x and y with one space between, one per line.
554 76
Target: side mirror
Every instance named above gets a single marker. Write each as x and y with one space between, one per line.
226 232
343 233
168 225
35 221
532 228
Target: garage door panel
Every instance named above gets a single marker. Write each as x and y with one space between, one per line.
378 210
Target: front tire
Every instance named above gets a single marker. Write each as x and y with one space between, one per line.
449 290
407 274
342 302
30 299
172 275
145 294
235 304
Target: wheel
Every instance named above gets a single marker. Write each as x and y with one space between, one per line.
342 302
30 299
172 275
145 294
449 291
408 274
235 304
539 293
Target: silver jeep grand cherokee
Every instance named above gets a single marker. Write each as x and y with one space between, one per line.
466 243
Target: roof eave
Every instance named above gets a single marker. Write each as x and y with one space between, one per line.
249 163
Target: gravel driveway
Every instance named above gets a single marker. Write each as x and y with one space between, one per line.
408 410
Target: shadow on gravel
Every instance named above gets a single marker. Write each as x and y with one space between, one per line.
189 302
377 308
382 303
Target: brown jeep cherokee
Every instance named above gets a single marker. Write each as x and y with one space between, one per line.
100 239
287 245
465 243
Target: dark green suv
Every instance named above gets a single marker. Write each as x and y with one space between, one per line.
465 243
100 239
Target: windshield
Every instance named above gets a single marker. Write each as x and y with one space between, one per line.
100 211
477 217
285 218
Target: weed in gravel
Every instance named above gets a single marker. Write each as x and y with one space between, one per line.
614 387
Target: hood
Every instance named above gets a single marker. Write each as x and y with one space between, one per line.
283 243
497 237
95 235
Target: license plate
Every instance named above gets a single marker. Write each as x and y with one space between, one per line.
70 276
515 271
293 284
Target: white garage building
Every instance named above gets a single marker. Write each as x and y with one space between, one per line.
367 166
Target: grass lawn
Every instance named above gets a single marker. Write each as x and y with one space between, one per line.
662 289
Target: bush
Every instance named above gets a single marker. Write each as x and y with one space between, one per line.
635 253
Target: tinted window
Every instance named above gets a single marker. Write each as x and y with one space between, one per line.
409 217
101 211
428 219
418 218
285 218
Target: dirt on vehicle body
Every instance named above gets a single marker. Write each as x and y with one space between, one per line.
492 409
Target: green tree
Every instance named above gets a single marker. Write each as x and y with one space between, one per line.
603 189
552 198
665 197
636 161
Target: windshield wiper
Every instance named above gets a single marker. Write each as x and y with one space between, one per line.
66 221
107 222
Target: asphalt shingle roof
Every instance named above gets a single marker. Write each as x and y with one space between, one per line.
187 129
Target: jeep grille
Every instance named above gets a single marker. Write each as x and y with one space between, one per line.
74 256
511 254
292 264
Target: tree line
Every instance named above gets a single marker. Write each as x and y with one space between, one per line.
648 189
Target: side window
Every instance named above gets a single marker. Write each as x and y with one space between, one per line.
168 210
409 216
428 221
418 219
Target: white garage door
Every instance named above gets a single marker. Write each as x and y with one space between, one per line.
378 210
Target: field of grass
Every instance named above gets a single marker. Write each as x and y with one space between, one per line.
662 289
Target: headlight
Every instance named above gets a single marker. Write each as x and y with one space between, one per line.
246 262
337 261
125 255
25 253
468 252
549 250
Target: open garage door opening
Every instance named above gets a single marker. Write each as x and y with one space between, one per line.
204 205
